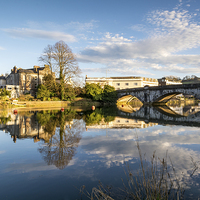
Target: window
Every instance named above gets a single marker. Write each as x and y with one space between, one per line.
126 83
118 83
135 83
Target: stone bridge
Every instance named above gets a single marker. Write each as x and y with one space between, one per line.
159 94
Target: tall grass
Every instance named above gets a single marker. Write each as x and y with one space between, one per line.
154 180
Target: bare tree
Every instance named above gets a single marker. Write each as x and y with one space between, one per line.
63 62
47 57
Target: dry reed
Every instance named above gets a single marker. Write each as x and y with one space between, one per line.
155 180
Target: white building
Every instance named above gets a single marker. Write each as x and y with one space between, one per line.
167 81
123 82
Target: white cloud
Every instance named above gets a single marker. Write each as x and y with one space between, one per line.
115 39
81 26
31 167
42 34
175 31
138 27
116 146
1 48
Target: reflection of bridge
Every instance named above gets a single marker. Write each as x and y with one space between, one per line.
160 94
162 115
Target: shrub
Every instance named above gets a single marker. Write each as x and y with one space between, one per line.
26 97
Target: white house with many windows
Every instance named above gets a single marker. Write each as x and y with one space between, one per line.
123 82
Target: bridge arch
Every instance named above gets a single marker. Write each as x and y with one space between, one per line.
126 99
161 94
166 97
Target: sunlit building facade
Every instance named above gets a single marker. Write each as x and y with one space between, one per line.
123 82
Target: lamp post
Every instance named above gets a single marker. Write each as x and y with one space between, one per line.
106 72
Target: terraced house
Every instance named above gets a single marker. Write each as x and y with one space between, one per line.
23 81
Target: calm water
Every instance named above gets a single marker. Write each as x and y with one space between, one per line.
52 154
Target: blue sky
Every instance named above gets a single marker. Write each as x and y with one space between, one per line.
151 38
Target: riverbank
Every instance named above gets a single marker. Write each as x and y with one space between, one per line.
48 104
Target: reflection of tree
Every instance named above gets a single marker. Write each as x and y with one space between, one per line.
62 146
4 120
95 117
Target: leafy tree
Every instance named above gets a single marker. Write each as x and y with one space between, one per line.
94 91
109 94
97 93
42 92
62 61
80 91
51 85
5 92
69 93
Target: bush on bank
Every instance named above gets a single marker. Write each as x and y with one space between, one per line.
96 92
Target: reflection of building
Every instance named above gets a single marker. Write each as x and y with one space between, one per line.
120 122
25 127
22 81
123 82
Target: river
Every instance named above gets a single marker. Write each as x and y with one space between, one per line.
50 154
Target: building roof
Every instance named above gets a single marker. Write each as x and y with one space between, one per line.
122 77
126 77
27 71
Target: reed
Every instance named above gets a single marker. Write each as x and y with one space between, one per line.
154 180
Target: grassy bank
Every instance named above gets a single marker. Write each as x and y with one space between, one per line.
43 104
48 104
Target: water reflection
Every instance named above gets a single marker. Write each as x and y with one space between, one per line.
63 143
51 126
59 131
93 145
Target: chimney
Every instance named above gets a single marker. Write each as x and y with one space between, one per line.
36 68
14 70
